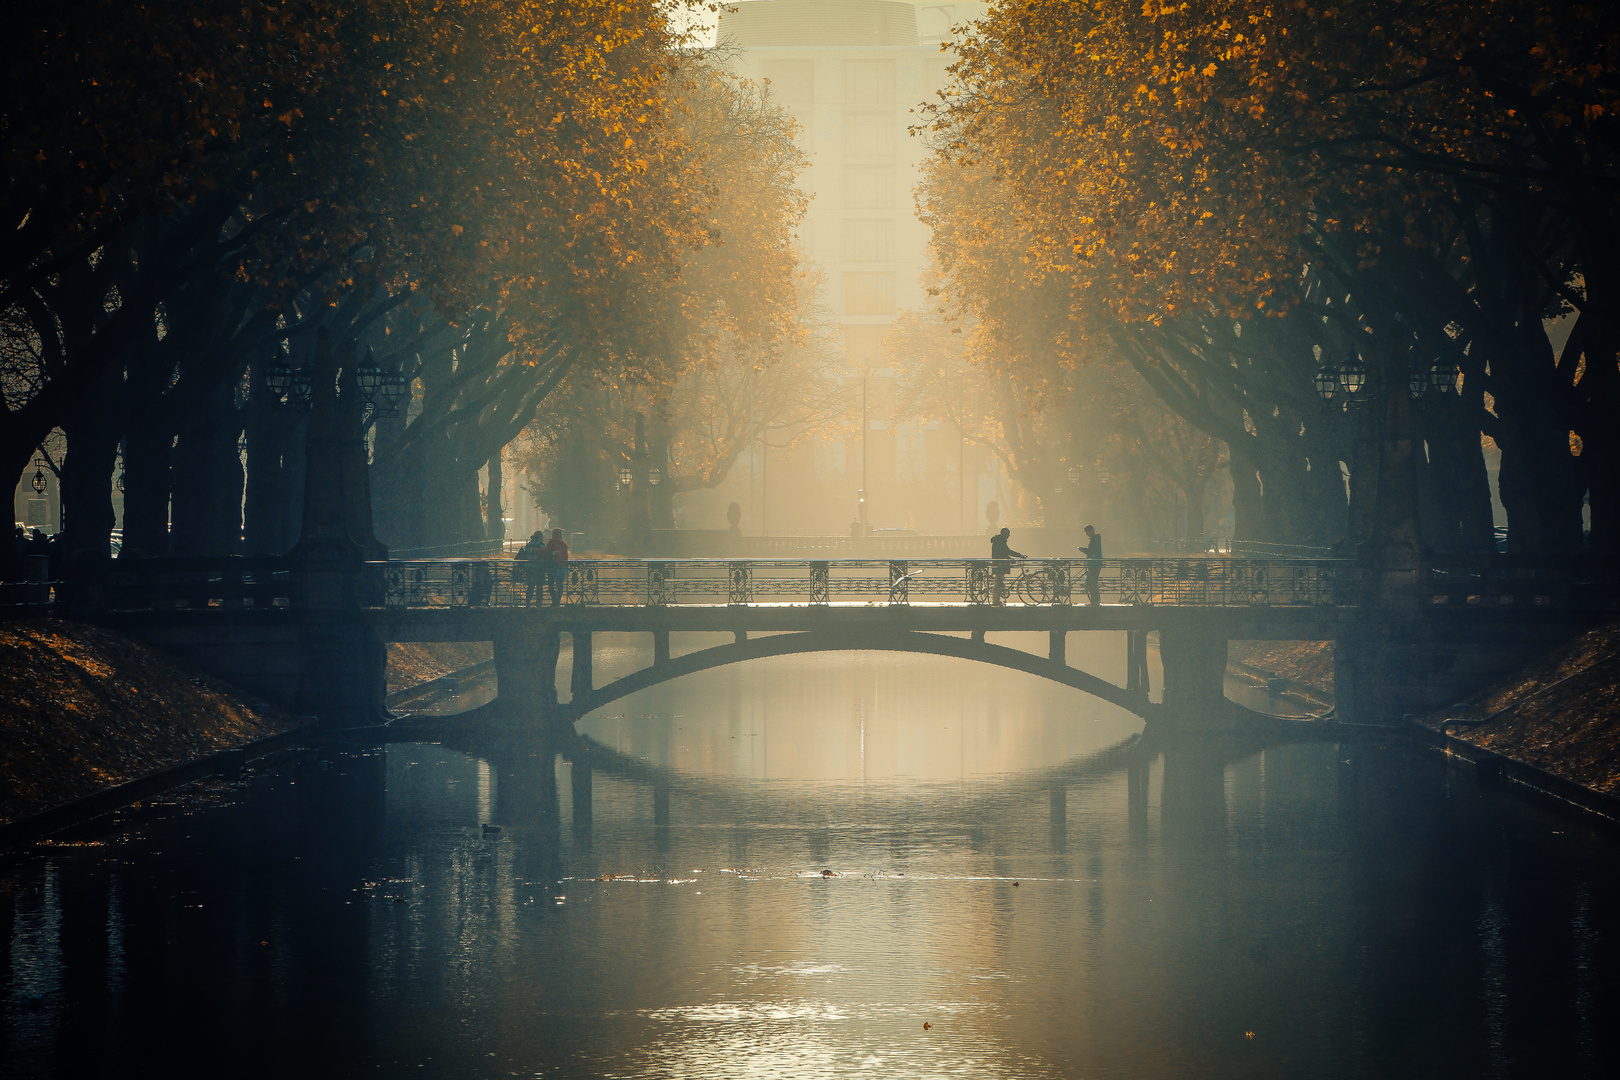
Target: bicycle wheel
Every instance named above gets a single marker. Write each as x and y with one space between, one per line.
1037 587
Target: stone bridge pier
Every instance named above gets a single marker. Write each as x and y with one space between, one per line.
526 671
1194 675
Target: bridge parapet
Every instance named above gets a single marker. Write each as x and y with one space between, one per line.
1498 582
195 583
741 582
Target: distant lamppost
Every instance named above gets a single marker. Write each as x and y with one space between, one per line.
1102 474
655 477
39 479
626 476
1074 475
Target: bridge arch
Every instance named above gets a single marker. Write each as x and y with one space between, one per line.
908 641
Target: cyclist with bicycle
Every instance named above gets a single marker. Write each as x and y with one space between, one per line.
1001 557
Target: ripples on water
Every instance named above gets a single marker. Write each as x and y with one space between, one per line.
1009 865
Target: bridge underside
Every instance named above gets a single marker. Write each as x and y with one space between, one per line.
1055 669
1195 669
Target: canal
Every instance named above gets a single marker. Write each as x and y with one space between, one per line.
838 865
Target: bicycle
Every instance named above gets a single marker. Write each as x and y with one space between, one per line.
1038 585
1035 584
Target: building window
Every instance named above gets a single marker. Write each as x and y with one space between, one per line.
793 82
869 82
867 240
869 294
869 134
868 187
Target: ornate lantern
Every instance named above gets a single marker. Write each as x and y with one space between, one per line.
655 477
1353 375
1074 475
1445 378
1417 381
368 377
1327 382
39 480
303 388
626 475
394 386
278 378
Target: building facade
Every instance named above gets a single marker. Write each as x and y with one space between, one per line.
855 73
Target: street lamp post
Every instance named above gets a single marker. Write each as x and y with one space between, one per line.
866 433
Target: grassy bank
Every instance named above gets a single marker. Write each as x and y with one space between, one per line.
83 709
1560 715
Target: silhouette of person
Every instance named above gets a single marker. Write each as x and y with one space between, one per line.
529 557
1001 557
554 560
1094 559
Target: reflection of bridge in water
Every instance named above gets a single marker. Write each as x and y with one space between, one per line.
311 638
1185 772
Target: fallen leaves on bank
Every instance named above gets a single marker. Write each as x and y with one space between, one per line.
82 708
1560 714
1307 662
413 663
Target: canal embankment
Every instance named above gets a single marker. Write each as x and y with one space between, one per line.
1553 726
1299 669
90 717
423 674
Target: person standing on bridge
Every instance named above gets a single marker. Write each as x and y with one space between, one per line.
530 566
1001 557
554 558
1093 550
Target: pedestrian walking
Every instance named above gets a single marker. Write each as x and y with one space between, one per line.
1001 557
1094 559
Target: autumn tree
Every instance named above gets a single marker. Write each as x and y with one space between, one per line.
195 194
735 344
1435 169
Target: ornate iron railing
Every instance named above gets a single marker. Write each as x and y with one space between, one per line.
195 583
741 582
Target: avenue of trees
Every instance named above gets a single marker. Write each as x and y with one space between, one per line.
1233 196
493 208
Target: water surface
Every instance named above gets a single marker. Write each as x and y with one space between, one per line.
825 866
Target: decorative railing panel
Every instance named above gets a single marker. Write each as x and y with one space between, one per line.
184 584
656 582
1517 582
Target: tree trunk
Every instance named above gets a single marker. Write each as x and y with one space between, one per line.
207 500
147 447
273 500
1455 506
494 525
1248 505
92 437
